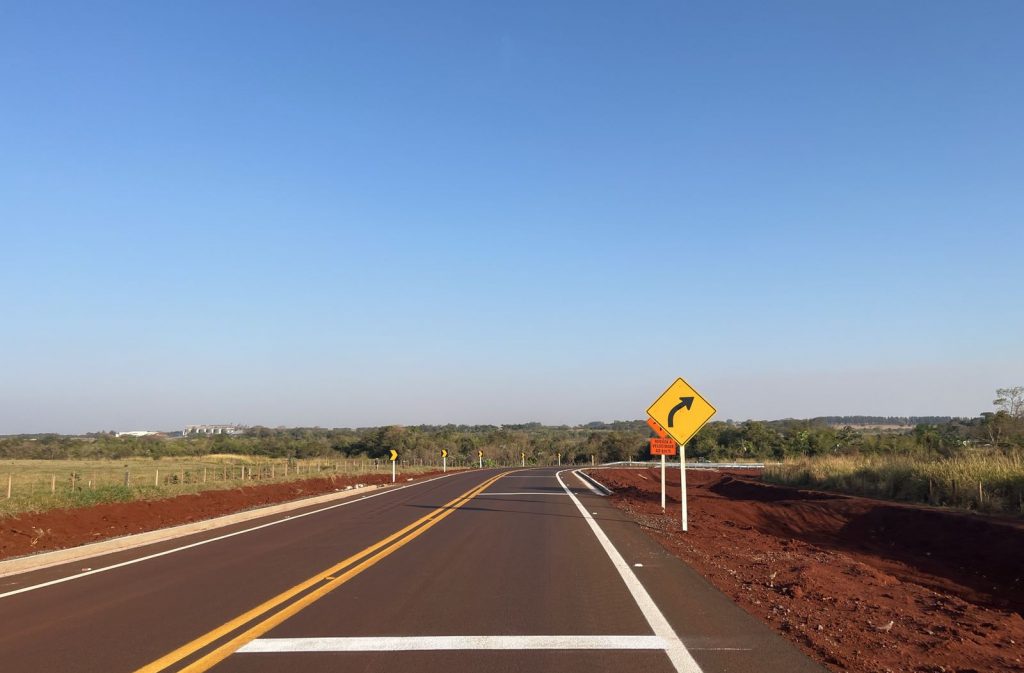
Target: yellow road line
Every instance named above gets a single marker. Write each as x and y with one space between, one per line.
329 574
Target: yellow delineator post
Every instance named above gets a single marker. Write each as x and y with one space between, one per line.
394 459
681 412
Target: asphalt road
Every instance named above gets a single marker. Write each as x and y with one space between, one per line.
489 570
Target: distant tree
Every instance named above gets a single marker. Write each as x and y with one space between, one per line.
618 446
1010 400
995 425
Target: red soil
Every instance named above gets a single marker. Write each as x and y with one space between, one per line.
63 528
858 584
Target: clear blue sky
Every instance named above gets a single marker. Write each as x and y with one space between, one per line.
358 213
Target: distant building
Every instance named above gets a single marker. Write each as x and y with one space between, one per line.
137 433
214 429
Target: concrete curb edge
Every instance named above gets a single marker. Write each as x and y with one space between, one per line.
52 558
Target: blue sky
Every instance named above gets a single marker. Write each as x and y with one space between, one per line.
350 214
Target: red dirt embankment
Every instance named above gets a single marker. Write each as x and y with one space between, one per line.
858 584
64 528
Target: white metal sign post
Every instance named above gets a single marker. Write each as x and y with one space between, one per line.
679 412
663 446
682 483
662 483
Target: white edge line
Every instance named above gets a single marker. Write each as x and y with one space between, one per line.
410 643
213 539
93 550
681 658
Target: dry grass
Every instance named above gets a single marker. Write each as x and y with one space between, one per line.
39 485
984 482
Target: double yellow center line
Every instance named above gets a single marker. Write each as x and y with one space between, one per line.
328 580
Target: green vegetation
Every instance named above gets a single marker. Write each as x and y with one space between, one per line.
416 445
885 456
623 440
38 485
990 482
991 432
972 464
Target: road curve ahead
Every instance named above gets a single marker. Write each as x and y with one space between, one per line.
489 570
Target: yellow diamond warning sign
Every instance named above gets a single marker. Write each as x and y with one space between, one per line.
681 411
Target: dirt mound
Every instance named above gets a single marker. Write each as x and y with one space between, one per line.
859 584
978 558
64 528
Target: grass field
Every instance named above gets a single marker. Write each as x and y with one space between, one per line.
38 485
982 482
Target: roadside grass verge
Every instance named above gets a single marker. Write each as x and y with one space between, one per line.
40 485
992 483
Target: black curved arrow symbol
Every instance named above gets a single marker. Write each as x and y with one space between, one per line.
683 402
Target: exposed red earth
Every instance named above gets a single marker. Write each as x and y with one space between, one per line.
64 528
858 584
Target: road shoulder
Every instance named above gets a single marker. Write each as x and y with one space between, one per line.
718 634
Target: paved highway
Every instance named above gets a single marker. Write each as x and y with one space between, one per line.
489 570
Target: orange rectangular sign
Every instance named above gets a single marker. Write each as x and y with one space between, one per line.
663 447
656 427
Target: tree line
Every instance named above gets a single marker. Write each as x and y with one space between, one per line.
999 430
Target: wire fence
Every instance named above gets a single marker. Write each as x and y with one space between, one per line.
35 485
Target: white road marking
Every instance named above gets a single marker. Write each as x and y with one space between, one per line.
408 643
681 658
292 517
560 495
